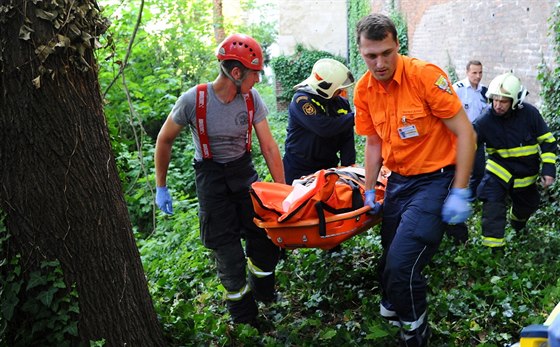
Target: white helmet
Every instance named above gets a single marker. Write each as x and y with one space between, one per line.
508 86
328 76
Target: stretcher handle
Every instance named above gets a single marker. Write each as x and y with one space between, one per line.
315 221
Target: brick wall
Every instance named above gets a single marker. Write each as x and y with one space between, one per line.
503 34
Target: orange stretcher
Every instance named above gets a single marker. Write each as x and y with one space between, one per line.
321 210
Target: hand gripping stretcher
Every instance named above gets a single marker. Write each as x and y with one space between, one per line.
321 210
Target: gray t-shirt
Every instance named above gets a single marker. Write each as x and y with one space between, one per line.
227 123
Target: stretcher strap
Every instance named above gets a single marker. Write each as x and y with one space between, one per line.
321 216
320 206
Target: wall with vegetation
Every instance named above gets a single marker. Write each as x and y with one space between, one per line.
319 25
505 35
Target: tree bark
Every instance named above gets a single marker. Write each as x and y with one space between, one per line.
60 188
218 21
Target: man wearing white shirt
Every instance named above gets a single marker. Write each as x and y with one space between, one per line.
471 91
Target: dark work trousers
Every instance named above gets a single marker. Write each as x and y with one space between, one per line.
478 169
493 193
226 216
460 232
411 232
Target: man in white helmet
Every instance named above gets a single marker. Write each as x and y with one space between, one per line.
519 147
320 130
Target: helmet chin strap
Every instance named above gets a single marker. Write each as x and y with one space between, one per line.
236 82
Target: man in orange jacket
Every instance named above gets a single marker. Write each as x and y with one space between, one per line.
415 125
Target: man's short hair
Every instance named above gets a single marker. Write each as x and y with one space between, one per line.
473 62
375 27
228 65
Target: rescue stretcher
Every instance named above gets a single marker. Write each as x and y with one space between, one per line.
321 210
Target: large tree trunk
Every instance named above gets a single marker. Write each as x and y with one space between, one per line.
60 189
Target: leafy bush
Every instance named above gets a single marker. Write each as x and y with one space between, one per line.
402 30
356 10
550 79
36 307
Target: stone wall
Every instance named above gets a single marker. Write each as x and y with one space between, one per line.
503 34
316 24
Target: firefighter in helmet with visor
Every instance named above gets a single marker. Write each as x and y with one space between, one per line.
320 132
521 154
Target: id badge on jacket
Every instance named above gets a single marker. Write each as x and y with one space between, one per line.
408 131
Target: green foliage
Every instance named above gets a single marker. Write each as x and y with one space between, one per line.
550 93
356 10
259 26
36 307
183 283
291 70
476 298
451 70
550 79
170 53
402 30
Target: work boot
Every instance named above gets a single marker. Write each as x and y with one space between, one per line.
518 225
421 340
263 288
458 232
497 251
244 310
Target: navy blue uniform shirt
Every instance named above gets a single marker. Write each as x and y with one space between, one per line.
320 135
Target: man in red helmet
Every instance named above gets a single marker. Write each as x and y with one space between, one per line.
221 116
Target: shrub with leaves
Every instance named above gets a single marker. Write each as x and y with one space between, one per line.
36 307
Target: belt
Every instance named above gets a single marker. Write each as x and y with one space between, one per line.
447 168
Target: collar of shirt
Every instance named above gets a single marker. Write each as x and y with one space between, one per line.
397 77
467 84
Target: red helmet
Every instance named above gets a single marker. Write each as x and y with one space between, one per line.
242 48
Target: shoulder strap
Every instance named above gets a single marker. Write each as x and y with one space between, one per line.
250 115
201 128
483 91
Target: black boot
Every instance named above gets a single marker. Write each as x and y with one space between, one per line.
263 288
518 225
243 310
458 232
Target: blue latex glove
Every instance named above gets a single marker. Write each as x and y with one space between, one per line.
163 200
370 201
457 207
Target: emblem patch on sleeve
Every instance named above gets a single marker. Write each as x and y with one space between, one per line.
442 84
309 109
